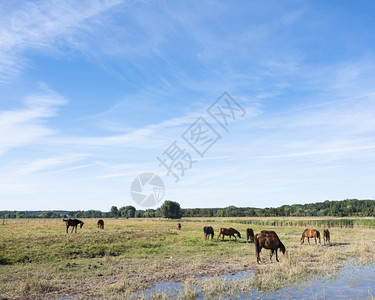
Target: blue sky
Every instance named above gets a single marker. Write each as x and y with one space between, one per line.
92 92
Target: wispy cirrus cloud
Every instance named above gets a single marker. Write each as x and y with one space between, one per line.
22 126
44 26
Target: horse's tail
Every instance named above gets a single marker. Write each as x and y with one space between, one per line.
220 231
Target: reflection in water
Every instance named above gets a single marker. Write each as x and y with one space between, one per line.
351 282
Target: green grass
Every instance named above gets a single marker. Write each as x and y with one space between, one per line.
39 260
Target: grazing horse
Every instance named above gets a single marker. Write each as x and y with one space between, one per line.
208 231
74 223
268 241
228 231
101 224
326 236
178 226
249 235
270 232
313 233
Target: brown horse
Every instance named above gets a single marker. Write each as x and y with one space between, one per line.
249 235
313 233
326 236
208 231
269 232
74 223
101 224
268 241
178 226
228 231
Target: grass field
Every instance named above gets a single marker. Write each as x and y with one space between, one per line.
39 260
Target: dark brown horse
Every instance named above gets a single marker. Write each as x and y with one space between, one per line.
268 241
249 235
326 236
74 223
208 231
270 232
228 231
101 224
309 234
178 226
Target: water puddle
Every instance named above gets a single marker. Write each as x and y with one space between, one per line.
352 282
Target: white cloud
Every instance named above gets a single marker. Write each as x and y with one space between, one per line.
20 127
52 163
45 26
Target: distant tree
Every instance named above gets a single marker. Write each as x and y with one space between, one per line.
114 212
121 211
19 215
130 211
78 214
171 209
48 214
127 211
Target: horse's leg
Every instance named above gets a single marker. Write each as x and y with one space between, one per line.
315 240
67 227
277 259
308 240
271 253
259 255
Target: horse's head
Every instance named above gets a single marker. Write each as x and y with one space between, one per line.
81 224
282 248
302 240
239 235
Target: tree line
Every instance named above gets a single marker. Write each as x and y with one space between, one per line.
172 209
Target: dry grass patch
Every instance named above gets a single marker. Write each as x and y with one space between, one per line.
31 285
130 255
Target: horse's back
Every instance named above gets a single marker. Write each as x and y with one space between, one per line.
268 240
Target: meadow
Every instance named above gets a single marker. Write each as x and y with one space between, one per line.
38 259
